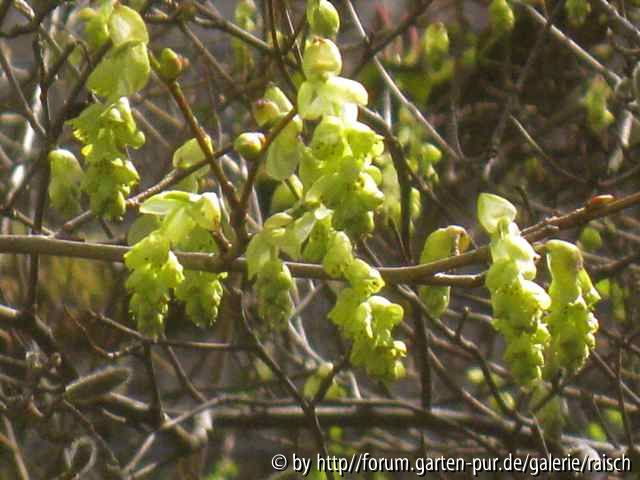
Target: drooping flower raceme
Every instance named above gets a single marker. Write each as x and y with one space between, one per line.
338 186
571 322
443 243
187 220
107 128
518 302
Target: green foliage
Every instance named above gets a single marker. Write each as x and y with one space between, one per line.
225 469
125 68
190 153
324 92
285 151
245 17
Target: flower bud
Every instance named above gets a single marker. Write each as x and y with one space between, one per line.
321 59
590 239
92 387
595 101
277 96
430 154
171 65
249 144
436 43
323 18
265 112
577 11
325 369
502 18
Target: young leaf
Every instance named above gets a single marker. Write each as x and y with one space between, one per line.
126 25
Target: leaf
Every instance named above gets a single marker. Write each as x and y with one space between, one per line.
87 124
178 225
206 211
344 90
126 25
259 252
143 226
492 210
296 234
124 71
190 153
283 157
163 203
277 96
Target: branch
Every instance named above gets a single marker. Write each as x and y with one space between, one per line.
368 415
427 274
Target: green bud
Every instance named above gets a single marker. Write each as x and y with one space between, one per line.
590 239
190 153
171 65
595 102
577 11
323 18
250 144
96 29
564 259
429 155
266 112
274 94
501 16
444 243
245 11
386 314
436 43
516 249
321 59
